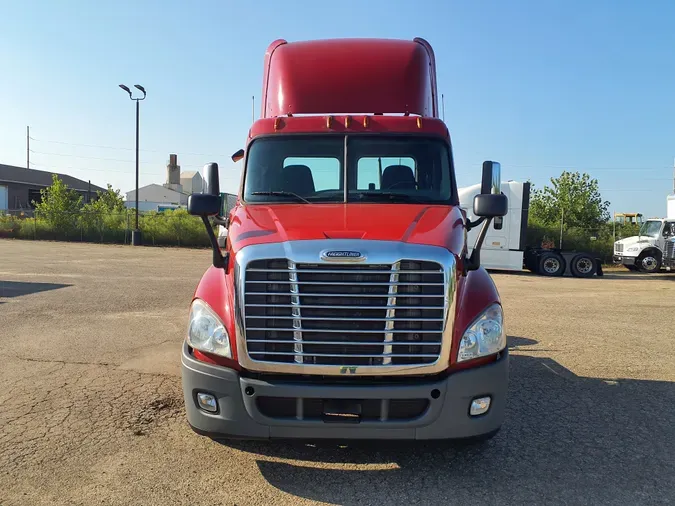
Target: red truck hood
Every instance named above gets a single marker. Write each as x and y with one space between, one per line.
411 223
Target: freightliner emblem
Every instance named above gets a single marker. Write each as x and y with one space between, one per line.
342 256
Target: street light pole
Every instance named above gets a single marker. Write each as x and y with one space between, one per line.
137 121
136 233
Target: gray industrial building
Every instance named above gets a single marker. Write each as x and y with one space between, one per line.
19 187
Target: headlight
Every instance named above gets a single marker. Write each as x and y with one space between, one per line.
485 336
206 332
635 248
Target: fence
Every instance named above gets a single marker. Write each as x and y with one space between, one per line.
166 228
178 228
598 240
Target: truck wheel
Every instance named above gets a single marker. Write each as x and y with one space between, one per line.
583 266
551 264
649 262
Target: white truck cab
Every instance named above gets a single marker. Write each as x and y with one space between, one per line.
644 252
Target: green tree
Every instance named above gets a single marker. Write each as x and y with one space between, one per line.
59 206
574 197
105 213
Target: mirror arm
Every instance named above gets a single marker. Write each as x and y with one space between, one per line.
221 220
472 263
473 224
219 261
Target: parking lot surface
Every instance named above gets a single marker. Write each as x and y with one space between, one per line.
91 408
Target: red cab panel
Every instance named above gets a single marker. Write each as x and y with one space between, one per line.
412 223
349 76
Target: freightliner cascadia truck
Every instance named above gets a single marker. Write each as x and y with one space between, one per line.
344 302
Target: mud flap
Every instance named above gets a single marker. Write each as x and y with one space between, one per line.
598 263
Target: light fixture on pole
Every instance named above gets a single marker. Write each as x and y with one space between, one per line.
136 233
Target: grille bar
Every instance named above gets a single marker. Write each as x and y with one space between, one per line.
296 314
342 331
391 313
350 343
338 355
323 283
327 318
384 296
339 271
307 306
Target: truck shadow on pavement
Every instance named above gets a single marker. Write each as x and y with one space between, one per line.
565 439
18 288
639 276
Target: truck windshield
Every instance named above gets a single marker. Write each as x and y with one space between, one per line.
650 228
315 169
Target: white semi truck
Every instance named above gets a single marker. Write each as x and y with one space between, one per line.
505 243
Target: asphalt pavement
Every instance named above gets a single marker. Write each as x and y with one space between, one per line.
91 407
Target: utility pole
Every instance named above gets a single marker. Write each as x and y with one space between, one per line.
136 233
28 147
253 109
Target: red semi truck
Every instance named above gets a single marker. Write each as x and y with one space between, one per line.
344 303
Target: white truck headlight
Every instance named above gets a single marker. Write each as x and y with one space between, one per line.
485 336
206 332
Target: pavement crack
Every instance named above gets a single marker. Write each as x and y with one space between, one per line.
63 362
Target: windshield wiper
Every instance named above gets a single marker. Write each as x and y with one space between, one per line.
391 196
283 194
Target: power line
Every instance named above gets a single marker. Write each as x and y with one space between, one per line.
121 148
86 169
187 167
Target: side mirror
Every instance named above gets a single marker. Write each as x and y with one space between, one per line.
491 181
238 155
202 204
211 179
208 203
489 205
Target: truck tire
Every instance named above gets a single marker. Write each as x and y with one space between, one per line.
551 264
583 266
649 261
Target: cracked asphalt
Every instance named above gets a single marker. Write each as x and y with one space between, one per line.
91 407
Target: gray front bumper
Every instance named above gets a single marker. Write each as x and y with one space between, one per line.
447 416
618 259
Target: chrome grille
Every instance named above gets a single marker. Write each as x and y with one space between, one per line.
618 248
669 253
344 314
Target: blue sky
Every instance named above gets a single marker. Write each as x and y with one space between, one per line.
539 86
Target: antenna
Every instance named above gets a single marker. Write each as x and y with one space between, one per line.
443 102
